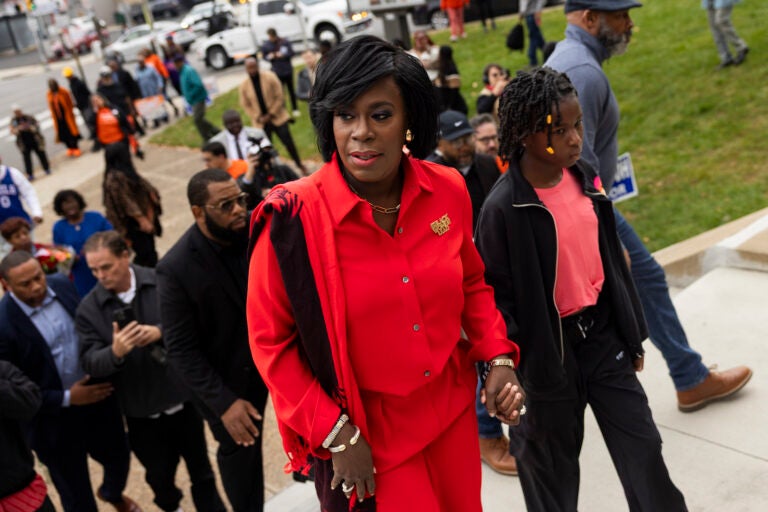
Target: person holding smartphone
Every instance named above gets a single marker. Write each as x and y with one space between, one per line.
121 339
78 417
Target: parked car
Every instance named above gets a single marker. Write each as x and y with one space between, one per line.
75 36
128 45
197 19
322 20
159 8
430 13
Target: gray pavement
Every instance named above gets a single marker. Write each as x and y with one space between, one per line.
718 456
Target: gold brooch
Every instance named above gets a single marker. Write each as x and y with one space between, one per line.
441 225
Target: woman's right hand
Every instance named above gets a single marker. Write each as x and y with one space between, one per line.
353 467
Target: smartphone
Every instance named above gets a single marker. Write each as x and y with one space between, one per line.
123 316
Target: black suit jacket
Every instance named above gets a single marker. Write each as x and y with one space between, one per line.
22 345
204 325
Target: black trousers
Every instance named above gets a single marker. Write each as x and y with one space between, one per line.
548 441
160 443
143 245
241 467
95 430
41 154
284 133
287 81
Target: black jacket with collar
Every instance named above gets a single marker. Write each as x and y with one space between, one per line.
203 313
144 385
516 236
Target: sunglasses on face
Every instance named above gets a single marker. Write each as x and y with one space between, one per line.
228 205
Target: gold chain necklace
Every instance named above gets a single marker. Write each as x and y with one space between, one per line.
375 207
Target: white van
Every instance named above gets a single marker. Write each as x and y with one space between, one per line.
319 20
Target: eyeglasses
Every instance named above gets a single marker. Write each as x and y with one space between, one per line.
463 141
488 139
228 205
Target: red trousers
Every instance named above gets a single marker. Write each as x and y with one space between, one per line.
456 19
444 477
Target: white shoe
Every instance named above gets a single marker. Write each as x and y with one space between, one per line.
296 113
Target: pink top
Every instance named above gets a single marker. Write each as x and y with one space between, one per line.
579 266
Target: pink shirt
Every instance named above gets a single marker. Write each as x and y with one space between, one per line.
579 266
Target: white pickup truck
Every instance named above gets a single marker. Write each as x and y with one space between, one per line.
296 20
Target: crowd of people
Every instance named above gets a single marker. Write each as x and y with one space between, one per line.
437 277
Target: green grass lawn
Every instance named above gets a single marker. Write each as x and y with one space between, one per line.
697 136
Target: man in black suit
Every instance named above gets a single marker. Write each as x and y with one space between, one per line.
202 287
456 148
76 419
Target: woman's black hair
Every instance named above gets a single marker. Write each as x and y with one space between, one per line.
64 195
527 106
353 67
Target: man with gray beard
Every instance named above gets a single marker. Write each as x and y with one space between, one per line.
598 30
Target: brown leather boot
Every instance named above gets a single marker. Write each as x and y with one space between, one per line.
716 386
495 453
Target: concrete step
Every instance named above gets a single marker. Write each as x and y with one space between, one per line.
718 456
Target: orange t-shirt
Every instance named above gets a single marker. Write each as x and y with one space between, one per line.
108 127
579 265
237 168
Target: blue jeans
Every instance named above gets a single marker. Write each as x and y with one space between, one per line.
665 330
490 428
535 39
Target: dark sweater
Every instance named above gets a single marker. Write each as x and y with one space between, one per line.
20 399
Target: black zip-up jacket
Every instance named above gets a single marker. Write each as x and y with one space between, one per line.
517 239
144 384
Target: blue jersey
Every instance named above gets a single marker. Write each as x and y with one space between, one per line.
10 202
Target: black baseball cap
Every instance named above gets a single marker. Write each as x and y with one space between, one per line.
454 125
600 5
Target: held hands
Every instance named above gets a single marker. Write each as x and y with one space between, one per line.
353 467
82 394
503 395
238 420
131 336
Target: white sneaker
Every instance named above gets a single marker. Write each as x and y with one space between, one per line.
296 113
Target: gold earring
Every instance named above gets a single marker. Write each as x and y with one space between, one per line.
408 135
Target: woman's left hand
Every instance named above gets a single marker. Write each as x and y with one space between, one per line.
503 395
353 467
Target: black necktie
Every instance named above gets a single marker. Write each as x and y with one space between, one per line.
239 151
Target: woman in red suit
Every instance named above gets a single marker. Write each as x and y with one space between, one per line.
367 306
